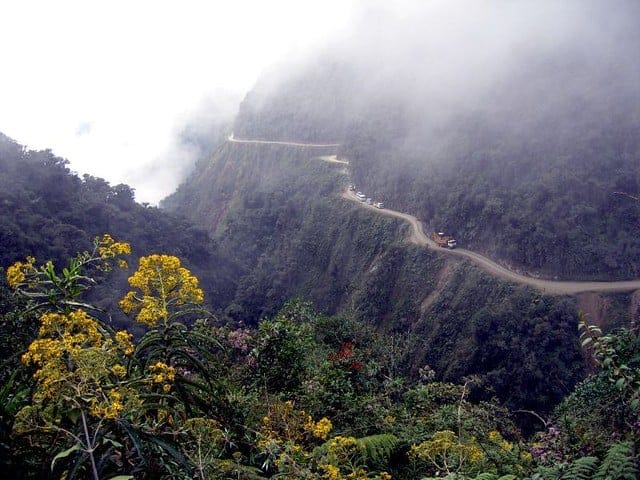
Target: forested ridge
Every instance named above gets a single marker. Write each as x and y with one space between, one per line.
50 212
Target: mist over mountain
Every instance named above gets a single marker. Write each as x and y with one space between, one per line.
512 125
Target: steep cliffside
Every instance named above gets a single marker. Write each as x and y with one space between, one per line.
277 212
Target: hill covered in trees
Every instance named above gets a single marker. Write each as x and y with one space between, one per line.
50 212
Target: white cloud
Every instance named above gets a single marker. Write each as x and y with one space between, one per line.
104 84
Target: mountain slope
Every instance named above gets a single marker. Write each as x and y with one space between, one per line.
525 149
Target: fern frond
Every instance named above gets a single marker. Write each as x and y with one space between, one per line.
581 469
618 464
376 449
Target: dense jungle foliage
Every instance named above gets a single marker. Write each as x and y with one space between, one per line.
303 395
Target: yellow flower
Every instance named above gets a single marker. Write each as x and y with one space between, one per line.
495 436
526 456
162 374
508 446
342 447
123 340
17 273
331 472
110 409
159 282
109 248
476 455
119 371
322 428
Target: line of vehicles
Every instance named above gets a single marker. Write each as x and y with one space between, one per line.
363 198
440 238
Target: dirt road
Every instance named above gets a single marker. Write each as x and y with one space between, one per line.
231 138
548 286
418 237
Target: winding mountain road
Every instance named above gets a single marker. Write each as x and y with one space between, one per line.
231 138
554 287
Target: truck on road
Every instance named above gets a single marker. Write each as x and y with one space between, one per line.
445 241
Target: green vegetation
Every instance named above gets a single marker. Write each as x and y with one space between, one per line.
303 395
277 211
50 213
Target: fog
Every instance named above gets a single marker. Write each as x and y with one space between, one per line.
109 85
514 64
194 136
139 94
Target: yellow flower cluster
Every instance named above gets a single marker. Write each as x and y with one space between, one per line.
124 342
286 424
60 334
108 410
119 371
17 273
76 362
342 447
160 281
162 374
319 429
526 456
445 445
331 472
109 248
496 437
151 309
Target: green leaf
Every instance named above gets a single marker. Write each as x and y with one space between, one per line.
122 477
64 454
112 442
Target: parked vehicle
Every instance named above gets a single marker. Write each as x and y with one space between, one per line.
445 241
378 205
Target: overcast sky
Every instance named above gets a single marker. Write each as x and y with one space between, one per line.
108 84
